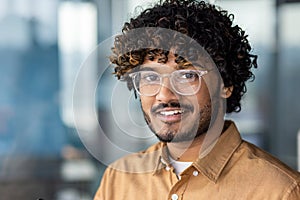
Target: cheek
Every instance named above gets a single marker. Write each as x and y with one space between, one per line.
146 103
203 96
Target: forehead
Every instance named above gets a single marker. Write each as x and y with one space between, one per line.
153 65
169 63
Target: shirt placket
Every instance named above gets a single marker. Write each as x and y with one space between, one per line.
178 189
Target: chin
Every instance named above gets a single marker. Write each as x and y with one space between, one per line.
173 137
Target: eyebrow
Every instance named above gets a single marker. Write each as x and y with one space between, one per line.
146 69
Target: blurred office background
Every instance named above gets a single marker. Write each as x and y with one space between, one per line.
42 46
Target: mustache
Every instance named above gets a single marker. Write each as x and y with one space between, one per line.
156 108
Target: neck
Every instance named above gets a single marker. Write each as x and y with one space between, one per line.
186 151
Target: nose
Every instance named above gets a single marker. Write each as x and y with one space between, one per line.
166 94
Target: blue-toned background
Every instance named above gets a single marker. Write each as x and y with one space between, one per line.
42 46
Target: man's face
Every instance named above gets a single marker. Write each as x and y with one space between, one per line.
171 116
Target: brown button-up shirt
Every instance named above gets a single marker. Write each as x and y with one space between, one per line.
233 169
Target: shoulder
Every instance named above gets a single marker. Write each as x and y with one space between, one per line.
263 164
262 174
269 161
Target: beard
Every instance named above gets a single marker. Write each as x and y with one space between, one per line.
187 131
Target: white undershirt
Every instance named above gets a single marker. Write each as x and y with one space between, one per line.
179 166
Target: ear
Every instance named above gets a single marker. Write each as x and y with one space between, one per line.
226 92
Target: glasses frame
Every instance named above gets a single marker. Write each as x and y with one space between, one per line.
200 73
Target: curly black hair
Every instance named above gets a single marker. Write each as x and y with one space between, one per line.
205 23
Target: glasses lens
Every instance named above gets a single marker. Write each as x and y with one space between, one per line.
186 82
147 83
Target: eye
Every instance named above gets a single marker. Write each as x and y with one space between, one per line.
188 75
150 77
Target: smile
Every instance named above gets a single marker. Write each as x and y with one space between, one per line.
171 112
170 116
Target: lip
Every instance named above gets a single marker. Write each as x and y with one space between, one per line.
171 115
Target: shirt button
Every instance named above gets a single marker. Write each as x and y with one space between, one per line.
174 197
195 173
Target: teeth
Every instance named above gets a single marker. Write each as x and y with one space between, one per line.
171 112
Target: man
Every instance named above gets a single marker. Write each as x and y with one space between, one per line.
184 91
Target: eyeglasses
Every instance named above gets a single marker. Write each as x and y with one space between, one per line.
183 82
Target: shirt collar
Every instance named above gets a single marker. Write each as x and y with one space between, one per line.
211 165
215 161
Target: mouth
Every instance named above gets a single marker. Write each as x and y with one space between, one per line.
171 112
171 115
